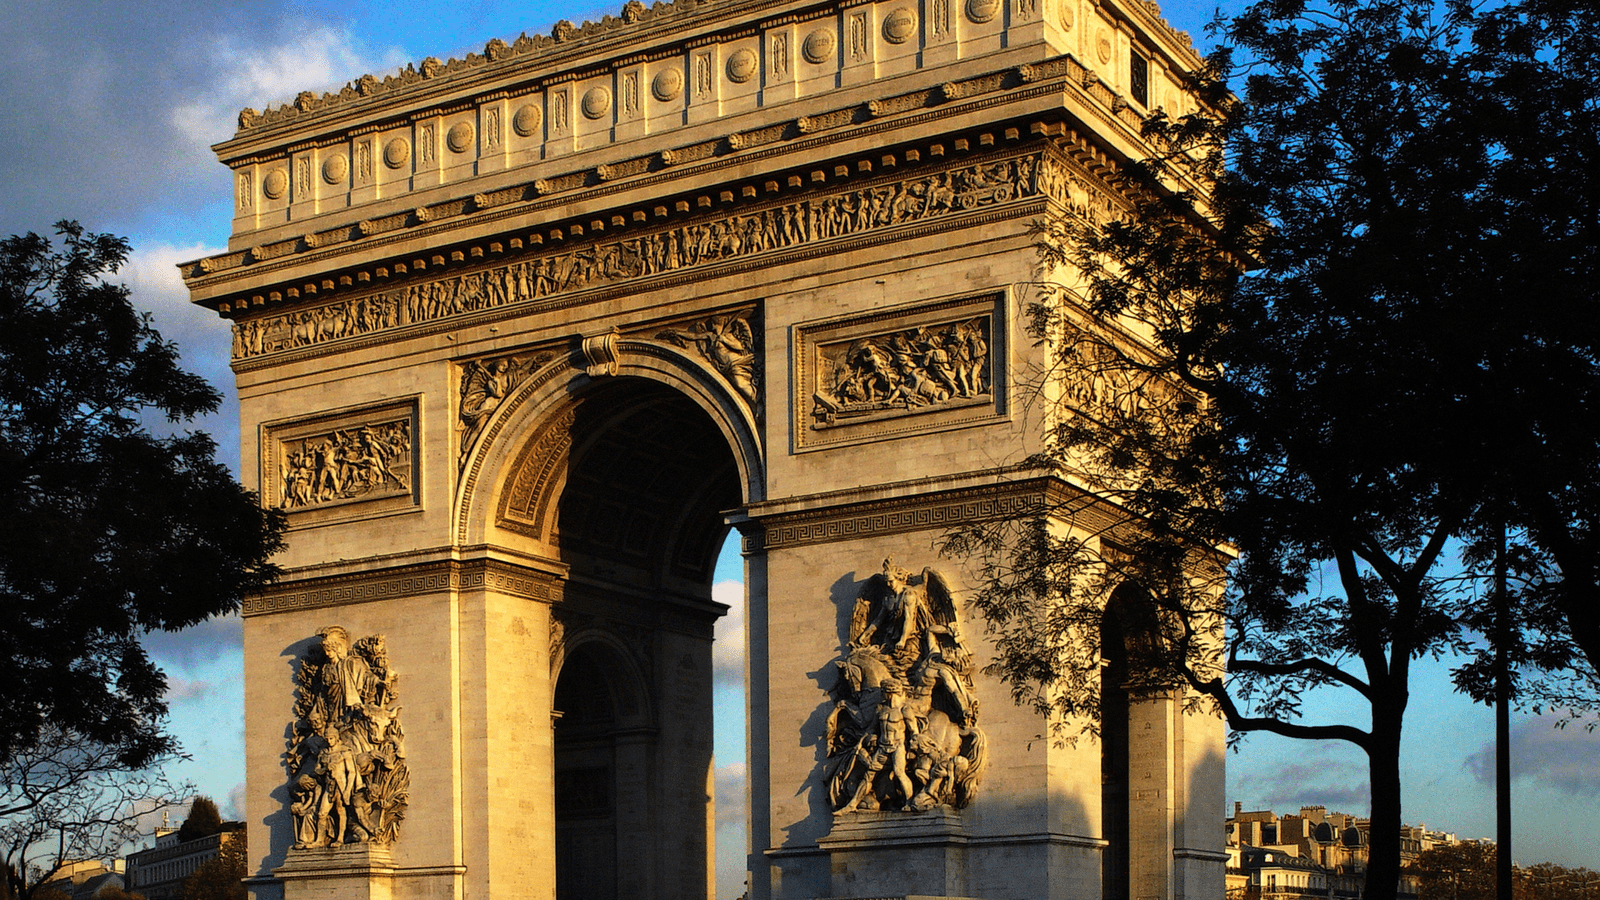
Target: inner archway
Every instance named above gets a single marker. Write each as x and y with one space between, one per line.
587 724
635 488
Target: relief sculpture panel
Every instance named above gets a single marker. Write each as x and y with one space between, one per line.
339 459
897 371
348 781
903 734
736 237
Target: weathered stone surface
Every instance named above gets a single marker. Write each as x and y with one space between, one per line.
518 336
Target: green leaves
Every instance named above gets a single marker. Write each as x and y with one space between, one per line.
107 531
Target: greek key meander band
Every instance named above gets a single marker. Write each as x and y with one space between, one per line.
851 522
344 590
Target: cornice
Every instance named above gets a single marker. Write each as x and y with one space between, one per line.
917 109
839 517
438 577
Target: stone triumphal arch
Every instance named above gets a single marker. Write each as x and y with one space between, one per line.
518 337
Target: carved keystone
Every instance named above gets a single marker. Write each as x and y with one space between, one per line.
598 354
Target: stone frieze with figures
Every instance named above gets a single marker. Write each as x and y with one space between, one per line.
337 459
745 235
896 371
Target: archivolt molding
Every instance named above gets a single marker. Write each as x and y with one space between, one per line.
630 646
543 406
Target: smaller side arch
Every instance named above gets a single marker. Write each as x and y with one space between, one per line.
627 686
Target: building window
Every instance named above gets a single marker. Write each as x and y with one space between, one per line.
1139 78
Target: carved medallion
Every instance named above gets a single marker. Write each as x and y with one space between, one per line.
527 119
667 85
818 46
348 781
742 66
396 153
981 11
596 102
275 184
899 26
459 137
1064 15
903 734
1102 45
335 168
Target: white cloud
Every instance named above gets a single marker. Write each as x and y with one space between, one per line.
194 648
310 57
234 806
151 274
733 802
731 828
1566 759
727 654
180 690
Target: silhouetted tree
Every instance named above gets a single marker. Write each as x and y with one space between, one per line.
203 820
65 799
106 530
1456 872
1313 362
221 878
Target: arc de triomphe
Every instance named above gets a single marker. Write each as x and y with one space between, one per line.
519 336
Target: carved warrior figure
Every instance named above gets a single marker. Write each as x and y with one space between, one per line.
910 369
686 246
346 758
903 733
346 463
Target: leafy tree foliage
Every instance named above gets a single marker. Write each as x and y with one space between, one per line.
66 798
203 820
221 878
107 531
1456 872
1467 872
1348 329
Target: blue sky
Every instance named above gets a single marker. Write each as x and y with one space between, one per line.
110 109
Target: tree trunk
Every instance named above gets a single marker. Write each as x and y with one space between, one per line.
1383 765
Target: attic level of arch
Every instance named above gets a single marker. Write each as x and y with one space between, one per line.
534 57
294 291
593 183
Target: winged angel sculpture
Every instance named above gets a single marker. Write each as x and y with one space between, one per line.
903 733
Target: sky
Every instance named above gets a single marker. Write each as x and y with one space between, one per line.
109 111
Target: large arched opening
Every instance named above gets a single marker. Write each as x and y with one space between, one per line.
625 482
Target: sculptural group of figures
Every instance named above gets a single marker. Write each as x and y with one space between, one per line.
346 758
664 251
907 369
727 341
903 732
346 463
